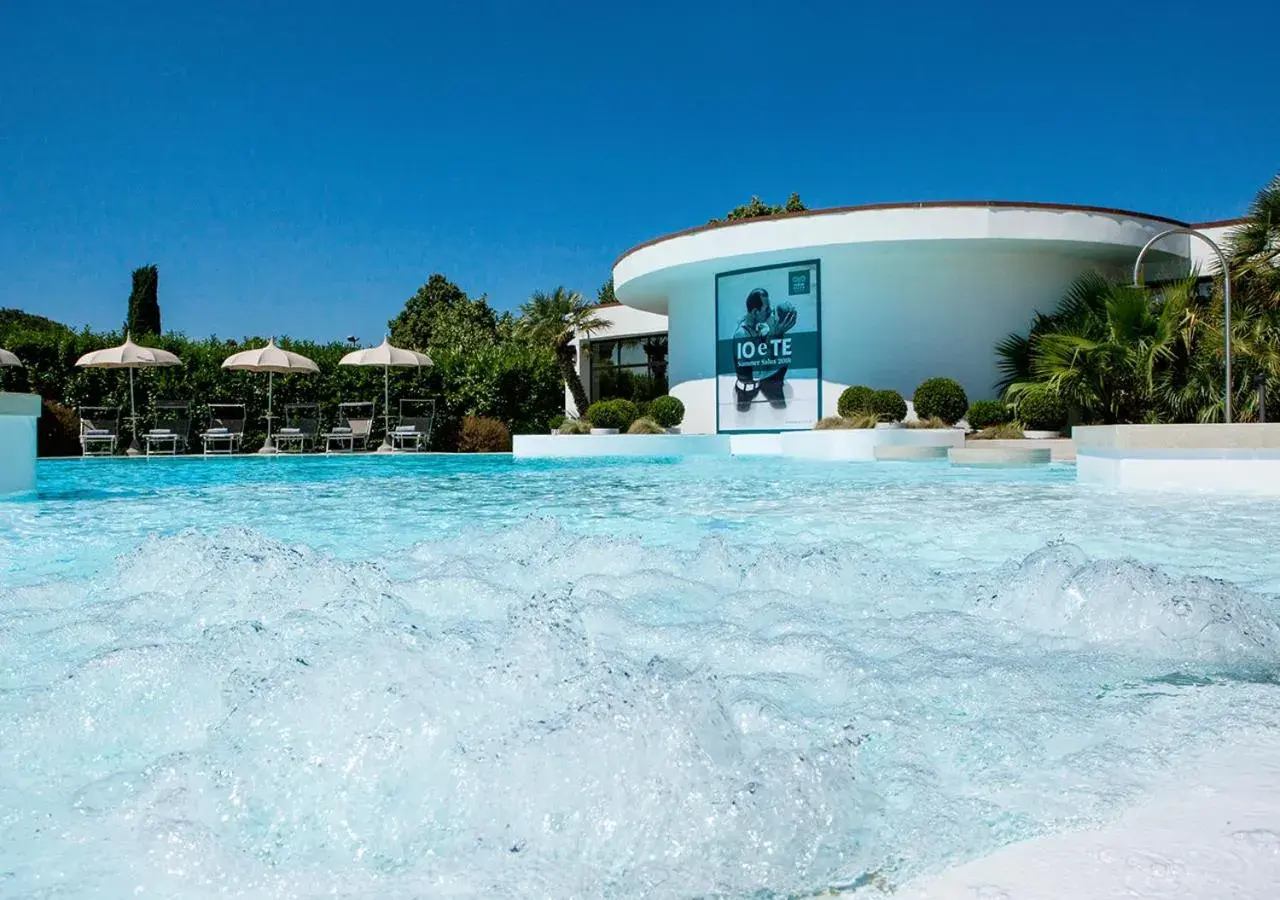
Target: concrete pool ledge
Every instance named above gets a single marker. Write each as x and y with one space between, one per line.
1237 458
18 416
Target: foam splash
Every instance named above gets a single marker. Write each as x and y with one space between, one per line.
531 713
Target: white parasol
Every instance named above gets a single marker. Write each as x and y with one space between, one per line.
9 359
129 356
270 359
386 356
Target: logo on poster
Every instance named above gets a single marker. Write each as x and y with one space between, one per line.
798 282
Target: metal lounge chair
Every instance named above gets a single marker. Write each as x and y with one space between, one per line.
355 422
226 428
301 424
173 425
99 430
417 417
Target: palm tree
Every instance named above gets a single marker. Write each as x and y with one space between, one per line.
554 320
1111 348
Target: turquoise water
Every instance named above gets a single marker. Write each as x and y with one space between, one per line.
455 676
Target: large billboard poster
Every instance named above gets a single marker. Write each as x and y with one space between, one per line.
768 348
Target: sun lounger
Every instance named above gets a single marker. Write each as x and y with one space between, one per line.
226 429
173 425
355 422
99 430
301 424
416 420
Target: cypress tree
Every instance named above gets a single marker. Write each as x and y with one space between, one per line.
144 302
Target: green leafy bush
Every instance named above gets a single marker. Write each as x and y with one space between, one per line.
854 400
557 421
646 426
941 398
58 430
667 411
1039 409
480 434
986 413
888 406
574 426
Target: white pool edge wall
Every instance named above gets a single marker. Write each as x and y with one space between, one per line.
18 416
854 444
1238 458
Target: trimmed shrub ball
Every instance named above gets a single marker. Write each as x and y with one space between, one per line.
854 400
604 414
888 406
941 398
483 435
667 411
988 413
1039 409
628 412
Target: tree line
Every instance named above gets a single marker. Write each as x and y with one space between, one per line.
498 365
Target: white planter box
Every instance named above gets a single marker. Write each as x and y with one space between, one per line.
604 431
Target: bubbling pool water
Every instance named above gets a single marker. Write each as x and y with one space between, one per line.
532 712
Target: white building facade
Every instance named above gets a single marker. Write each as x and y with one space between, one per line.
758 325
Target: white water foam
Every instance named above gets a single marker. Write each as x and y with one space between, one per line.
529 712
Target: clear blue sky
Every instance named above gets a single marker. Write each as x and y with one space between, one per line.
300 168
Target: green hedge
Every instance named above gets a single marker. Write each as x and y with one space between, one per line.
941 398
888 406
854 401
988 413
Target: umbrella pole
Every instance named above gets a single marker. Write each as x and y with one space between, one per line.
386 409
269 446
134 449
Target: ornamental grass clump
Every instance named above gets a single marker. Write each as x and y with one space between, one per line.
646 426
574 426
1009 431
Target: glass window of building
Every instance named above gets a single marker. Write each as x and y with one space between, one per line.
629 368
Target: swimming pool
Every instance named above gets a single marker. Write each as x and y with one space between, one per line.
449 676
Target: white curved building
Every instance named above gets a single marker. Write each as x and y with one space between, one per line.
769 319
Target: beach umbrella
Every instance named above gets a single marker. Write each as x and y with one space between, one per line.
270 359
386 356
129 356
8 359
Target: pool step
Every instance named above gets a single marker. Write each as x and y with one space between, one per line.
1004 456
909 453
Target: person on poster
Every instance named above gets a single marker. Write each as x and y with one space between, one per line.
762 328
